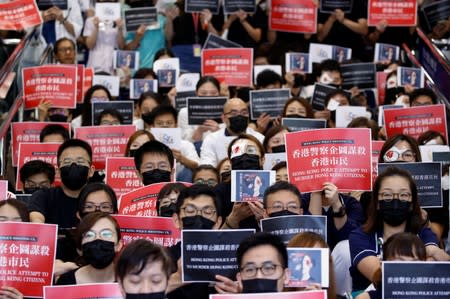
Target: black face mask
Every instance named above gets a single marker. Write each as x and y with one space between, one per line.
333 116
58 118
99 253
197 222
146 117
282 213
238 124
245 162
294 116
132 152
259 285
395 212
167 211
279 149
75 176
155 176
160 295
225 176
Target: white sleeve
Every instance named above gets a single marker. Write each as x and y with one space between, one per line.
188 150
74 17
207 153
186 130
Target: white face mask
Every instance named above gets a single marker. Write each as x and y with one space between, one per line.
402 101
325 79
333 104
445 182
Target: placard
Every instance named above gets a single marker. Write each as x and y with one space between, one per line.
181 99
308 266
166 78
381 87
125 108
233 66
84 291
361 75
27 255
386 53
3 189
320 93
55 83
169 136
187 82
19 15
207 253
109 11
250 185
135 17
200 5
287 227
426 151
299 16
302 124
159 230
270 101
414 121
231 6
215 42
139 86
394 12
339 156
279 295
320 52
87 82
298 63
381 110
80 83
121 175
167 64
345 114
411 280
427 176
443 157
410 76
46 4
202 108
112 83
329 6
436 12
106 141
126 59
272 159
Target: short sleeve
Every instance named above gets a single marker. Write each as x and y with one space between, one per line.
362 245
38 202
89 26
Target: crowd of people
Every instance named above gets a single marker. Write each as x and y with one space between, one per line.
89 246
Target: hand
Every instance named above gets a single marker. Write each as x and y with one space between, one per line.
262 122
43 107
242 15
210 125
175 280
381 27
355 91
47 15
171 95
206 16
10 293
224 91
59 14
340 15
240 211
177 155
172 12
63 267
276 121
258 210
119 24
313 287
331 193
141 30
96 22
225 285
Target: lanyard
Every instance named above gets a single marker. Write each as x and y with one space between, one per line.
195 17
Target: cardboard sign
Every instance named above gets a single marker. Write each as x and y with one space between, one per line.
127 59
436 12
298 63
202 108
207 253
121 175
27 256
56 83
135 17
84 291
381 110
107 12
340 156
181 98
125 108
28 132
19 15
272 159
159 230
187 82
46 152
46 4
410 76
88 78
320 52
345 114
250 185
361 75
329 6
320 93
414 121
106 141
233 66
270 101
426 151
386 53
280 295
287 227
298 16
215 42
166 78
167 64
308 266
302 124
112 83
231 6
396 13
200 5
427 176
139 86
3 189
443 157
169 136
408 280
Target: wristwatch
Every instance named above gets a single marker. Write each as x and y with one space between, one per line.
340 213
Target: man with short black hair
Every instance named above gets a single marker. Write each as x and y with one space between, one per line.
422 97
54 133
282 199
36 175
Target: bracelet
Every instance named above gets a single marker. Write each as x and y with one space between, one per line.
228 224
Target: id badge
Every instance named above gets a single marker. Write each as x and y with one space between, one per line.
197 50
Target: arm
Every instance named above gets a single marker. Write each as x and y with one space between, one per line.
120 35
368 266
91 32
437 254
254 33
331 193
324 29
205 18
134 44
315 203
359 27
37 217
171 13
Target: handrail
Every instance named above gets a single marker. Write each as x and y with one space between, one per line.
47 52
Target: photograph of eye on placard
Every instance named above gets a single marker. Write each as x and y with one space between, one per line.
308 266
249 185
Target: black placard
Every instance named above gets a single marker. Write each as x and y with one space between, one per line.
436 12
215 42
328 6
135 17
230 6
320 93
361 75
181 99
302 124
270 101
207 253
200 5
443 157
125 108
427 176
203 108
288 226
46 4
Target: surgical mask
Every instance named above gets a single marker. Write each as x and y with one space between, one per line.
282 213
155 176
132 152
245 162
75 176
238 124
395 212
197 222
99 253
279 149
259 285
146 117
167 211
445 182
159 295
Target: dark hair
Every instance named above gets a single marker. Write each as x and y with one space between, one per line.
279 186
208 79
36 167
150 95
279 165
19 206
144 72
248 137
422 92
404 244
221 162
374 222
193 192
303 102
163 51
162 110
134 136
393 140
329 65
272 132
334 93
153 147
54 129
94 187
75 143
137 254
110 111
364 122
205 167
88 221
267 77
166 190
59 41
86 109
260 239
429 135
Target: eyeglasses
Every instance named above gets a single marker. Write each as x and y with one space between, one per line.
110 123
292 207
165 124
66 49
191 210
31 184
103 207
78 161
389 196
233 113
105 234
267 269
160 165
394 154
210 182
